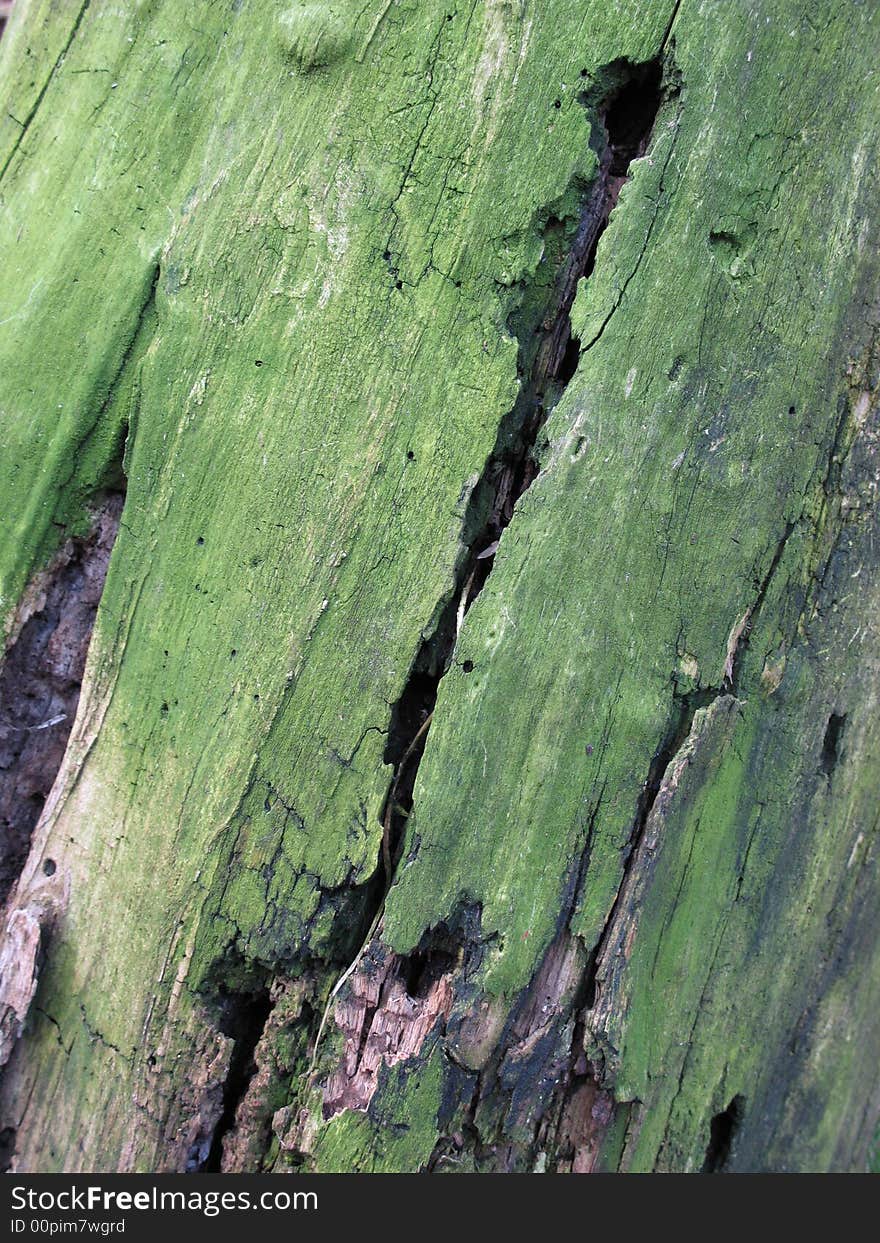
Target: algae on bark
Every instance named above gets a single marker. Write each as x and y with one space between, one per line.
296 262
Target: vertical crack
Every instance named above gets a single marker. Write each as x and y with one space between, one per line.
241 1016
25 124
41 678
685 708
831 743
625 102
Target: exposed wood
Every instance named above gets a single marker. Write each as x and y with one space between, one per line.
492 619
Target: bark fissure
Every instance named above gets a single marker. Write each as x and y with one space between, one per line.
674 753
684 710
140 323
585 1079
831 743
41 679
547 360
570 1129
627 106
738 642
243 1018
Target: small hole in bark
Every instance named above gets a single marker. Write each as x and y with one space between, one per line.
791 410
467 666
630 113
557 103
398 284
164 709
234 652
410 455
48 867
258 362
423 968
200 540
722 1133
831 743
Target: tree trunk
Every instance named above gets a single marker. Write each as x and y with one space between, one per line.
474 766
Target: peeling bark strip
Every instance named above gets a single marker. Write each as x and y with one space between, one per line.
683 734
380 1020
41 678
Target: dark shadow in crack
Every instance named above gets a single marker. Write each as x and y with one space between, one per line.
41 678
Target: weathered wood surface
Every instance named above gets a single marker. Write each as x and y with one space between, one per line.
270 262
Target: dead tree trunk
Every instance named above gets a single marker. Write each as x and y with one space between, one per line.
474 766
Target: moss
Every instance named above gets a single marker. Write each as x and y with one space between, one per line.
342 214
398 1133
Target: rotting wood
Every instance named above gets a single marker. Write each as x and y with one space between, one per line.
626 109
40 678
634 860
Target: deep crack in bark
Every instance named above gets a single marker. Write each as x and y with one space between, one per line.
627 106
41 678
388 1009
626 102
241 1015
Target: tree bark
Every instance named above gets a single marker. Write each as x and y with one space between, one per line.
475 762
